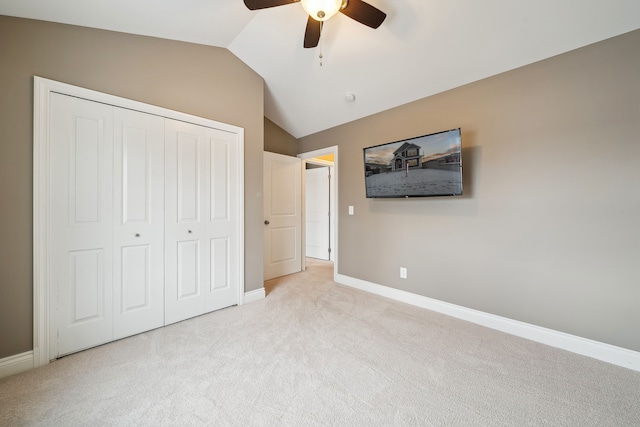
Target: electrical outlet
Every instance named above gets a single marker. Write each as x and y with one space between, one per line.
403 273
350 210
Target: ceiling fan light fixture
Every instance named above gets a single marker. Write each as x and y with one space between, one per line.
321 10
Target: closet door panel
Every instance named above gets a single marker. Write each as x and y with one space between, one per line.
85 171
188 167
202 189
222 219
86 286
136 285
219 265
188 263
186 188
138 281
220 165
81 149
136 158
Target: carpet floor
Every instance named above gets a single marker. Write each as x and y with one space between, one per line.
313 353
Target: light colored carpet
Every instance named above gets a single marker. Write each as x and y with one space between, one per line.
319 354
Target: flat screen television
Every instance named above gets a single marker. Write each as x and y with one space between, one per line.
424 166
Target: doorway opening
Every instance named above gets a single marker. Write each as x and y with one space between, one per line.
320 162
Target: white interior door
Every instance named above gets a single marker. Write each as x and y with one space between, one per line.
318 212
282 215
138 230
201 190
81 198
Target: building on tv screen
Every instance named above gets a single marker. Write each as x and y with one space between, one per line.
429 165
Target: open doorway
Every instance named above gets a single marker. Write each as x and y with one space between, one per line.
319 207
320 162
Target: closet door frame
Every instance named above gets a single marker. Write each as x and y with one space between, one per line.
41 194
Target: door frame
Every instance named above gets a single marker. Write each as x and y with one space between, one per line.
41 227
307 158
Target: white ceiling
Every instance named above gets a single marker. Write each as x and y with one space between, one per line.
422 48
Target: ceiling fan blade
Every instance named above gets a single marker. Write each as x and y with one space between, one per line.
263 4
312 33
364 13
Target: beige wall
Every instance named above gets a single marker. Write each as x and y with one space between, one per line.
195 79
547 231
277 140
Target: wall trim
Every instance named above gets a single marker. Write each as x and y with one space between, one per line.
255 295
15 364
597 350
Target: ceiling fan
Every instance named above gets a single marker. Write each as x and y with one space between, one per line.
321 10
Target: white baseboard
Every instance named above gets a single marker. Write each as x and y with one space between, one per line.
607 353
255 295
15 364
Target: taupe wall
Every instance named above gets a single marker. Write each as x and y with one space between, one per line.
195 79
277 140
547 231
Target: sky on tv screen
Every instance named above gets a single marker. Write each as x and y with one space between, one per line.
433 147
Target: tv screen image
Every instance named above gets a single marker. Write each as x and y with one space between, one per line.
428 165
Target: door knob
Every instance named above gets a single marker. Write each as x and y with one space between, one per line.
266 222
189 231
137 234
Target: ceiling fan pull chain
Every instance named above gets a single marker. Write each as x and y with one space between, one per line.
320 44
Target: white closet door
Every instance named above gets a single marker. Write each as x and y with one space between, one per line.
138 231
221 225
138 218
201 188
81 171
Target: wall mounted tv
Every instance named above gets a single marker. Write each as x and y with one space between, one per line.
428 165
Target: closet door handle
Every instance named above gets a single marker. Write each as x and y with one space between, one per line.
137 234
189 231
266 222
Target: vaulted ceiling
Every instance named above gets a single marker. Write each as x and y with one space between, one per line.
423 47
